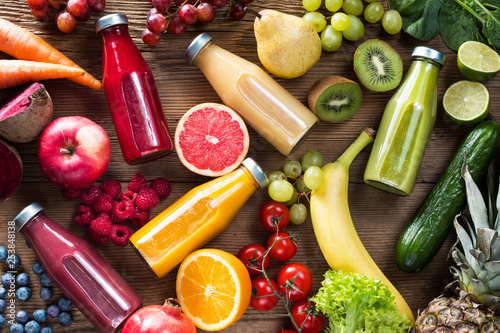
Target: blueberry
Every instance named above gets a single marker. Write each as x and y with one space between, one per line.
32 327
13 261
65 304
46 329
3 253
45 280
3 321
53 311
8 279
65 319
3 292
3 305
23 279
28 244
40 315
23 294
16 328
22 317
46 293
38 268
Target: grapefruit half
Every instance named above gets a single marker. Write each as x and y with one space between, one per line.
211 139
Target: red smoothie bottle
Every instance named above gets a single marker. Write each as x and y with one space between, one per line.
131 93
79 271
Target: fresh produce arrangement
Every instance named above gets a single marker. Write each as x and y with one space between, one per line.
260 226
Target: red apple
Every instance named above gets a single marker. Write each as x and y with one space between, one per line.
73 152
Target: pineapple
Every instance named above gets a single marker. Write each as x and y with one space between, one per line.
477 273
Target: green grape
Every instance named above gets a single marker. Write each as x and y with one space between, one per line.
275 175
317 20
293 200
292 169
340 21
331 40
312 157
355 30
333 5
370 1
311 5
353 7
301 187
374 12
298 213
280 190
313 177
392 22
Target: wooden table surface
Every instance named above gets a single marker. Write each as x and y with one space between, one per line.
379 217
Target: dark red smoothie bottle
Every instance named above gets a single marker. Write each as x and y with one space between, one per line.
79 271
131 93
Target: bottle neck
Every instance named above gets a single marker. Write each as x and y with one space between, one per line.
205 50
115 33
37 220
428 61
251 177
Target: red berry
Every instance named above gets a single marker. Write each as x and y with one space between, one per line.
124 209
137 183
162 187
89 196
111 187
147 199
84 214
161 5
120 235
219 3
101 224
156 23
65 21
71 194
206 12
150 38
140 217
77 7
98 239
176 26
103 203
180 2
99 6
188 14
41 14
129 195
237 11
112 216
37 4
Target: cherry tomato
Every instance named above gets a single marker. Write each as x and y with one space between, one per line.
284 247
260 288
286 331
274 213
301 278
252 255
305 311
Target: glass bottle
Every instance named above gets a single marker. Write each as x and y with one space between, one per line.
406 126
264 104
79 271
196 218
131 94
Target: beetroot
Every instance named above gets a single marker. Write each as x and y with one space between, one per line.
12 170
26 113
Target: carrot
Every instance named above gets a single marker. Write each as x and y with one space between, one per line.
24 45
16 72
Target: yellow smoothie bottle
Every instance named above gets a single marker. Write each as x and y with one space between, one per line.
261 101
196 218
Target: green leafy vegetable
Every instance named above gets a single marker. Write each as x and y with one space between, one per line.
355 303
457 25
426 25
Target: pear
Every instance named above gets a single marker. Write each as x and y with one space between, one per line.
287 45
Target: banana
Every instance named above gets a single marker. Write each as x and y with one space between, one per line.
333 224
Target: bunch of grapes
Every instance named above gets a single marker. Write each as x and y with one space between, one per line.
69 11
345 23
295 182
175 19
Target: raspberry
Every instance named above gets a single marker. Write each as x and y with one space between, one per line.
98 239
162 187
84 214
147 199
124 209
120 235
101 224
71 194
115 219
140 217
103 203
111 187
129 195
137 183
90 196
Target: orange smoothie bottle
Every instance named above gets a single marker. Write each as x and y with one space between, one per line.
196 218
261 101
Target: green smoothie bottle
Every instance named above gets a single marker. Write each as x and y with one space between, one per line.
406 126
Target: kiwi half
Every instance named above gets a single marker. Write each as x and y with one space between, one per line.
378 66
334 98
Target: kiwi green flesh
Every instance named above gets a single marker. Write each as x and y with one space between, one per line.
339 102
378 66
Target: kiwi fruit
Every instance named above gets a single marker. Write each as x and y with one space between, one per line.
378 66
334 98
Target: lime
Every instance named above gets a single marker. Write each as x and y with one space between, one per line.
466 102
477 61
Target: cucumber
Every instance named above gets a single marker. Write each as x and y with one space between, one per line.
431 223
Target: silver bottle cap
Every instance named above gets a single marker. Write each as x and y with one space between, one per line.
256 171
109 21
427 52
196 45
26 214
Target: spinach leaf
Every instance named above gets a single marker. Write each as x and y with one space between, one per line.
406 7
491 28
456 24
424 24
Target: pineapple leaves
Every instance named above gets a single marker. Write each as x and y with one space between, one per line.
477 206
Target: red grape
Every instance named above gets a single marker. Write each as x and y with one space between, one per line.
161 5
57 4
37 4
246 2
99 6
41 14
77 7
91 2
237 11
181 2
209 1
65 21
154 11
206 13
188 14
150 38
219 3
156 23
176 26
85 16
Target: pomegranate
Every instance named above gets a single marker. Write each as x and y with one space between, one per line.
166 318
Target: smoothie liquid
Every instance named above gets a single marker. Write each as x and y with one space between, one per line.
79 271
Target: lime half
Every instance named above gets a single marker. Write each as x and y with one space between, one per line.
477 61
466 102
